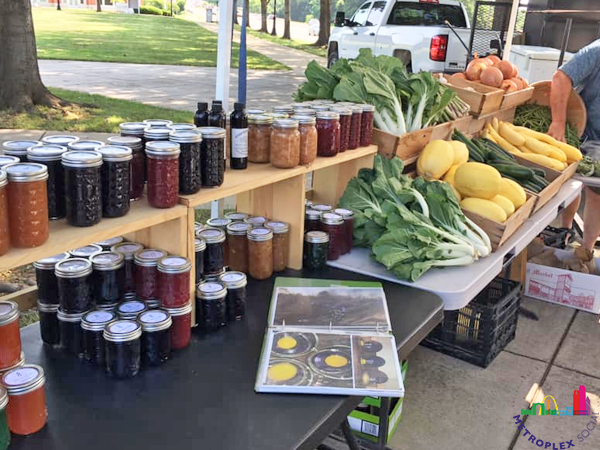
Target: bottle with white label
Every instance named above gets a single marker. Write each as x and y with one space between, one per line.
239 137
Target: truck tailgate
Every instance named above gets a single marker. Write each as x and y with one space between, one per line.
456 56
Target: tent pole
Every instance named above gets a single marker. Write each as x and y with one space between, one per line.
224 51
511 29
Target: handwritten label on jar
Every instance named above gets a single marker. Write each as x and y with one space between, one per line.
232 277
239 142
73 266
99 317
129 248
123 327
21 376
153 317
174 261
210 287
130 307
152 254
106 258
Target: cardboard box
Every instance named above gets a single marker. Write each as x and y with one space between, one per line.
564 287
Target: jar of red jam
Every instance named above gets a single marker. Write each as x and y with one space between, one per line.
211 306
174 281
10 338
131 309
26 411
181 329
146 273
108 278
156 337
4 231
128 250
312 220
333 224
238 246
366 125
137 165
18 148
345 124
348 230
355 126
27 204
214 254
123 348
163 173
328 133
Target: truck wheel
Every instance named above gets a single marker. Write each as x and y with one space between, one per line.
332 57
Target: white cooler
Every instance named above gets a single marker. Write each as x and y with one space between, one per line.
536 63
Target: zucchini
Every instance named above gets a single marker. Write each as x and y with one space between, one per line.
493 146
514 170
541 181
539 172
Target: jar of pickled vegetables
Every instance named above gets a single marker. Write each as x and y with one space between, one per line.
238 246
83 187
259 138
308 138
163 173
328 130
285 144
260 253
4 230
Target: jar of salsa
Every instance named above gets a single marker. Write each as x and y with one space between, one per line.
154 123
27 204
163 173
181 329
85 252
84 145
355 126
59 139
235 282
51 157
74 289
214 253
128 250
45 278
131 309
10 337
333 224
115 172
26 410
256 221
308 138
83 187
221 224
345 124
328 131
312 220
4 230
18 148
174 281
49 328
366 125
94 346
123 348
190 177
106 244
137 165
259 138
211 300
260 253
71 333
238 246
236 216
348 230
146 273
108 278
199 248
285 144
316 247
281 244
212 156
156 337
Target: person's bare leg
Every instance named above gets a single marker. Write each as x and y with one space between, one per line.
591 219
568 214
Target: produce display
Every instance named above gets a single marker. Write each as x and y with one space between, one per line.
587 167
539 118
494 72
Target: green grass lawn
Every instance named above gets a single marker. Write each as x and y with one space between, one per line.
90 113
295 44
130 38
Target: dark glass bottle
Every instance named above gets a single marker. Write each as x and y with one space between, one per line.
218 118
123 348
49 328
190 177
201 115
46 279
51 156
239 137
94 346
83 188
115 179
74 289
156 337
212 154
108 278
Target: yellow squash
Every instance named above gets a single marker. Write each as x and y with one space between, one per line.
449 177
544 161
435 160
505 204
571 152
513 191
501 141
479 180
537 147
461 152
510 135
484 208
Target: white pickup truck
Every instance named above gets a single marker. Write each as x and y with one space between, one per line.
414 31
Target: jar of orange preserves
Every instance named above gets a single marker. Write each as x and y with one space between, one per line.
4 231
10 339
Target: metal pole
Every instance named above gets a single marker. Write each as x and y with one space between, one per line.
511 30
243 70
224 52
565 40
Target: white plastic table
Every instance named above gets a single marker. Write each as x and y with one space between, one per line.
457 286
588 181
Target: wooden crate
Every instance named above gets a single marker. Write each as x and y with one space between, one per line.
515 99
478 123
408 146
482 99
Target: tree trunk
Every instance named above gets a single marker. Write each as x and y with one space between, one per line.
286 28
324 22
274 29
247 13
98 5
58 6
20 84
263 16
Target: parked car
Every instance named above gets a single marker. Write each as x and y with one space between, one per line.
313 27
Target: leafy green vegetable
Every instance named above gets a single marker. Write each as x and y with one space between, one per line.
586 167
597 169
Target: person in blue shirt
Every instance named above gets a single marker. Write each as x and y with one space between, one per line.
583 74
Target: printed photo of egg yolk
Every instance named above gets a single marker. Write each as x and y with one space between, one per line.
336 361
282 372
287 343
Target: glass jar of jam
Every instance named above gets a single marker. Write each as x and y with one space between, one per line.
46 281
83 188
345 124
199 248
238 246
285 144
85 252
211 301
320 107
316 248
236 216
115 172
260 253
259 138
26 410
181 329
163 173
221 224
131 309
158 133
355 126
110 242
5 160
322 208
4 231
156 337
256 221
348 230
18 148
312 220
154 123
49 328
308 138
213 276
135 129
214 253
10 338
190 178
92 325
128 250
212 156
59 139
281 244
123 348
137 165
328 130
235 282
71 333
366 125
198 227
174 281
27 204
146 273
74 288
51 157
84 145
333 224
108 278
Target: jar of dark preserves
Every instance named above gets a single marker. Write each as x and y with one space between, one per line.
156 337
5 160
84 145
333 224
158 123
256 221
182 127
259 138
123 348
59 139
211 300
328 131
85 252
71 333
221 224
163 173
316 248
128 250
348 229
281 244
115 174
366 125
181 329
107 244
49 328
345 124
235 282
212 156
153 134
146 274
213 276
94 346
131 309
199 248
108 278
4 231
236 216
135 129
198 227
312 220
46 281
74 288
18 148
355 126
260 253
51 157
137 165
190 178
214 253
83 188
238 246
322 208
174 281
285 144
153 303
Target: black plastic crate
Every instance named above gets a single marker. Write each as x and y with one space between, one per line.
557 237
478 332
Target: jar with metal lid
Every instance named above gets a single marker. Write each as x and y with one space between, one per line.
345 124
4 430
236 216
190 178
328 131
18 148
27 204
137 165
134 129
199 248
238 246
83 187
308 138
123 348
10 338
46 281
146 273
49 328
85 252
333 224
108 278
153 134
355 126
115 173
163 173
213 276
256 112
283 109
281 244
322 207
84 145
131 309
156 337
316 248
212 156
214 255
259 138
26 410
174 281
305 111
318 108
198 227
153 303
221 224
128 250
348 229
71 333
93 324
312 220
106 244
74 288
59 139
235 282
285 144
182 127
181 329
366 125
211 305
51 156
155 123
5 160
260 253
256 221
4 230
